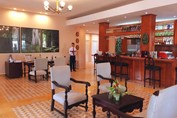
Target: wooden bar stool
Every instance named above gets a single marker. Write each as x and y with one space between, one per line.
150 66
121 65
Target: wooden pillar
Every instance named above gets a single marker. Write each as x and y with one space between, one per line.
175 32
103 42
148 23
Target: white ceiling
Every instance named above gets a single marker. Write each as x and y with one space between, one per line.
86 7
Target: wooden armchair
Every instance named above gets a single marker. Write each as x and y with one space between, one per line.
61 78
103 73
162 104
40 68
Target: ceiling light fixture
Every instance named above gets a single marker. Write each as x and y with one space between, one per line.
59 7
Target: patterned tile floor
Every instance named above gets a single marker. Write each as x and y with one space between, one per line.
25 99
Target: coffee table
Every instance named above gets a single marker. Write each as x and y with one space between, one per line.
127 103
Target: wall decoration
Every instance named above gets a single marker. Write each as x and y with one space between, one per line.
118 48
9 39
77 40
39 40
50 41
31 40
77 47
145 38
77 34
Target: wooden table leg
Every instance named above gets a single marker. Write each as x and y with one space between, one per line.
141 108
108 114
94 111
24 67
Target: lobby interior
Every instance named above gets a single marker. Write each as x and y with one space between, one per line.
21 98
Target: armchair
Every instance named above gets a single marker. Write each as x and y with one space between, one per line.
60 61
103 73
61 78
40 68
162 104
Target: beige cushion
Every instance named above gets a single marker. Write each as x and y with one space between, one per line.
103 69
104 87
60 74
60 61
41 64
162 106
149 113
38 72
167 103
73 97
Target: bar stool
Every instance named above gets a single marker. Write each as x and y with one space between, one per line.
99 59
121 65
95 61
150 66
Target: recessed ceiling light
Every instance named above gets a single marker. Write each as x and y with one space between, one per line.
83 24
15 8
46 13
23 10
107 20
146 12
125 17
87 30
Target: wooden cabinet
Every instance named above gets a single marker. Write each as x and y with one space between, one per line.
13 70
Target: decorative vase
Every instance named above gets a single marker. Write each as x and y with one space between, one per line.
117 97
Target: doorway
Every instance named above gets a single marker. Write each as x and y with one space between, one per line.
91 46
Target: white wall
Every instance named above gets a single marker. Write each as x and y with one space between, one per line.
24 19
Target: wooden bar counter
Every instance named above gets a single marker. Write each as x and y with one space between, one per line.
136 69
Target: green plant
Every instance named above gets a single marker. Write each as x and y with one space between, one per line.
117 90
118 48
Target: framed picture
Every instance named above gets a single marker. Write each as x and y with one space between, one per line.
77 40
50 40
30 40
77 34
77 47
9 39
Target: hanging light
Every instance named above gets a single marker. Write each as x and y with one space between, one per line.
59 7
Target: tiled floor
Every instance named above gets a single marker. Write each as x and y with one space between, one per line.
25 99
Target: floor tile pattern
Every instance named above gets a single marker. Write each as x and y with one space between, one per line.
42 109
22 88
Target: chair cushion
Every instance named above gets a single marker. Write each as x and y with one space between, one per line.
104 87
152 106
167 103
73 97
38 72
103 69
162 106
